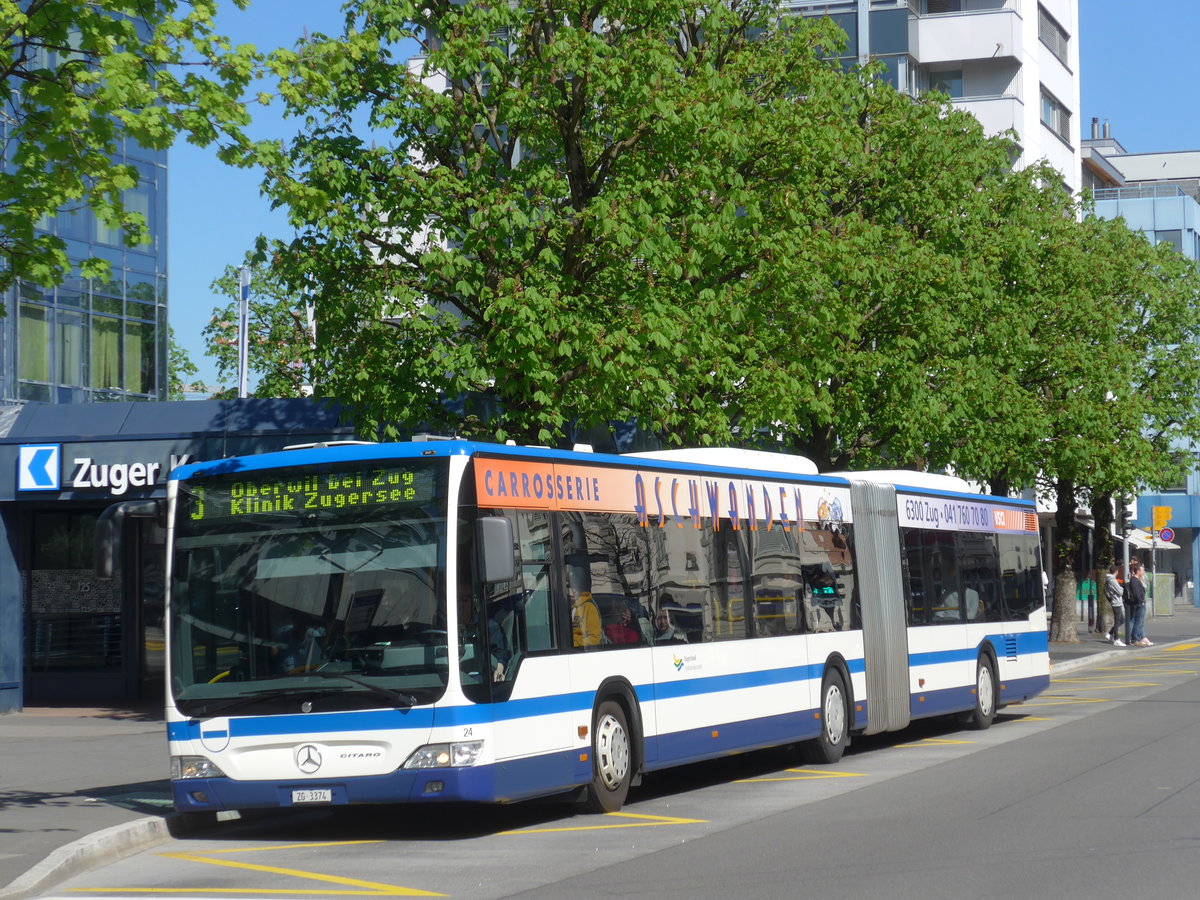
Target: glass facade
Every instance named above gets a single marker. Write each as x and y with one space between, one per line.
95 339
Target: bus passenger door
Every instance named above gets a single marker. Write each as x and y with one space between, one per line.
533 720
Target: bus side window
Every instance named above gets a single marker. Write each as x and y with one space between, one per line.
538 621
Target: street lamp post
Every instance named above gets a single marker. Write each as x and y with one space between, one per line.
243 331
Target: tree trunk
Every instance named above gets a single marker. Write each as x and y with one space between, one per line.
1102 553
1063 619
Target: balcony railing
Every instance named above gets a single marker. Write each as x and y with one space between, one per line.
1139 192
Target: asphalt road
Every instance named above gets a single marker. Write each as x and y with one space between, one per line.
1090 791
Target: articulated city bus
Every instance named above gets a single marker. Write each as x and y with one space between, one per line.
458 621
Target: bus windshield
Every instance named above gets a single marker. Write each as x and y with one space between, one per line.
319 588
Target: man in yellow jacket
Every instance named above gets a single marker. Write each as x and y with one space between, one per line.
585 619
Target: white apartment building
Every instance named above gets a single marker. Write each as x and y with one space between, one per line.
1012 63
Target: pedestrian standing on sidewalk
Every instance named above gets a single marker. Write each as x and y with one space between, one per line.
1135 602
1112 592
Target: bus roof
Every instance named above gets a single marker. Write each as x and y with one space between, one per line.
730 460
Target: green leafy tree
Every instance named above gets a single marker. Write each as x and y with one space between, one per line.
280 348
78 78
1076 316
659 212
181 371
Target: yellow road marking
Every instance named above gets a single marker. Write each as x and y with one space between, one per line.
803 775
925 742
1048 701
308 846
642 822
374 888
364 888
256 892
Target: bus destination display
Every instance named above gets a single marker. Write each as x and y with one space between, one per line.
264 494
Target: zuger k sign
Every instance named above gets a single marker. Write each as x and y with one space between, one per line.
40 467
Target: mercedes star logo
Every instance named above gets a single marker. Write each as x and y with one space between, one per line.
308 759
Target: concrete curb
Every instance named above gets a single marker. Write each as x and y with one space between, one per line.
1068 665
107 845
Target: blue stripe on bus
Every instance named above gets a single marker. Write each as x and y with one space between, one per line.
1027 644
696 744
483 713
582 701
959 699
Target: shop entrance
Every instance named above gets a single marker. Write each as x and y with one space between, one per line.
87 640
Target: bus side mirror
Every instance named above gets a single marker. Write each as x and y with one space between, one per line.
494 546
107 546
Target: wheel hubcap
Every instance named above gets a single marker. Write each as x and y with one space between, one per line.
986 692
835 714
612 752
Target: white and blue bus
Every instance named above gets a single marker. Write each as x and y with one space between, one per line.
457 621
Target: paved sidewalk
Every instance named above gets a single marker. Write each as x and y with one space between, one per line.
78 786
68 777
1182 625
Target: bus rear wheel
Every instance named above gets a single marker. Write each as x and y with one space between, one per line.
984 712
612 758
830 744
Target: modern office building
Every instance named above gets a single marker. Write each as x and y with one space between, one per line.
94 339
1157 194
1013 64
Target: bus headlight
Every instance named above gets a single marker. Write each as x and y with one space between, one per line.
183 767
441 756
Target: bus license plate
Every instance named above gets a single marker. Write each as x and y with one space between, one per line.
319 795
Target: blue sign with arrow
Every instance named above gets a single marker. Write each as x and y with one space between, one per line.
38 467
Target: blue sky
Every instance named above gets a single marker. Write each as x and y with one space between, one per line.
1136 72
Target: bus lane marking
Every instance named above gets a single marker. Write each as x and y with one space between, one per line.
933 742
1047 700
643 821
1102 682
802 775
364 888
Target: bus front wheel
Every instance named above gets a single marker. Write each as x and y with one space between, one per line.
611 759
984 712
830 744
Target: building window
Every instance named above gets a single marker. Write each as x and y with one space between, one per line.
139 358
1055 116
848 23
891 71
932 7
889 31
33 363
948 82
1172 236
105 353
1052 35
70 348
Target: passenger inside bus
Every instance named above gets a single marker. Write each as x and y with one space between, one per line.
665 632
585 618
622 631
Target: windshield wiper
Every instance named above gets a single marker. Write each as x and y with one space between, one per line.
398 699
209 706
